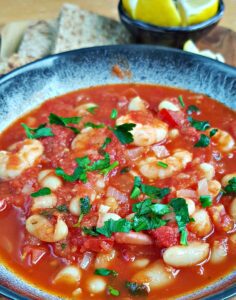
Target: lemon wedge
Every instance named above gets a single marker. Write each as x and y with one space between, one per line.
156 12
197 11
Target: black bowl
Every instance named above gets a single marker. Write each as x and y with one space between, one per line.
168 36
27 87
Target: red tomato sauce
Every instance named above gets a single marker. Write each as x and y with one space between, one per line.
39 262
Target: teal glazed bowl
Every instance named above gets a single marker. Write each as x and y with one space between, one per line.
25 88
168 36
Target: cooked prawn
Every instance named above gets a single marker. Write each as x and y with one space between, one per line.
223 140
145 134
176 162
12 164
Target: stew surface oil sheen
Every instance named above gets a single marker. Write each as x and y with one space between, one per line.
120 191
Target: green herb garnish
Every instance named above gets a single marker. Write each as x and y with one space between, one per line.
112 291
203 142
162 164
85 205
42 192
199 125
180 208
92 109
136 191
213 132
106 142
54 119
92 125
62 208
39 132
112 226
90 231
63 246
206 200
181 101
125 170
114 114
137 289
192 108
105 272
123 133
231 186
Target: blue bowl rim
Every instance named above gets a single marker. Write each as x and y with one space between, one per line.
167 29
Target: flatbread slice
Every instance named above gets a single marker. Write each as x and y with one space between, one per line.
80 28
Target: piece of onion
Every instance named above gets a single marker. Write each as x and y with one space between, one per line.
86 260
27 188
135 153
186 193
113 192
203 187
160 151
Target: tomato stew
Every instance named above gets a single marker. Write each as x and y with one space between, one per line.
120 191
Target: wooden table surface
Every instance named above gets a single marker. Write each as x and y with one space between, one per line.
12 10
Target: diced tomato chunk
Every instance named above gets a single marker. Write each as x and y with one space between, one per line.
165 236
98 244
172 118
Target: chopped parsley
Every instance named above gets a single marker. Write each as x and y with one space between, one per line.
112 291
110 168
62 208
111 226
181 101
106 142
147 222
199 125
39 132
123 133
203 142
125 170
162 164
92 125
206 200
105 272
213 132
180 208
90 231
149 190
136 191
42 192
85 205
231 186
137 289
78 174
192 108
63 246
92 109
54 119
114 114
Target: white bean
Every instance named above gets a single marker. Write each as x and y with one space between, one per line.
219 251
103 259
96 284
47 178
191 206
48 201
173 133
186 256
141 263
69 274
202 225
214 187
133 238
74 206
156 275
